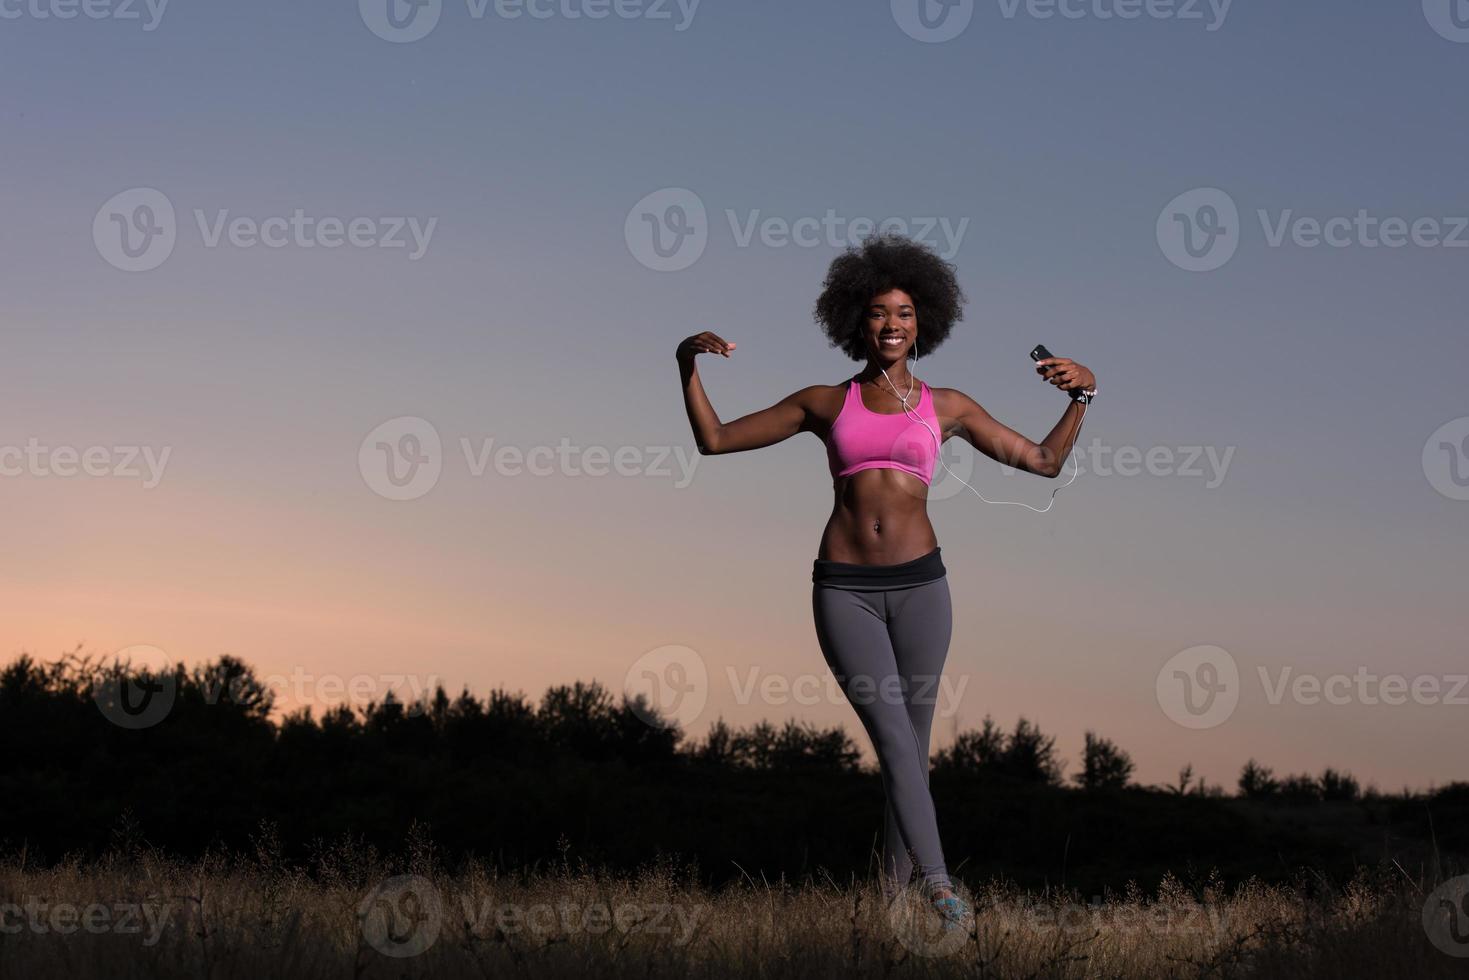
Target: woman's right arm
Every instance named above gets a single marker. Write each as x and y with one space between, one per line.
766 427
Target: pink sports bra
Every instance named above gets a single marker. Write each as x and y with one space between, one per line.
861 439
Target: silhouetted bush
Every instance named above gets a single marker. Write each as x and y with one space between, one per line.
1338 786
1103 765
1257 782
1025 755
517 782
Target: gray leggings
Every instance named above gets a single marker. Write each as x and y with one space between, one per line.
886 649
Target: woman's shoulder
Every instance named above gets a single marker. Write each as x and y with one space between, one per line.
838 389
824 401
950 401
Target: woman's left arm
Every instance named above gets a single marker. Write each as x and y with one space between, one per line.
1002 443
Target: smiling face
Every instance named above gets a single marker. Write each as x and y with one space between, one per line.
891 327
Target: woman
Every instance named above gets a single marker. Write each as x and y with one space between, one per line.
880 595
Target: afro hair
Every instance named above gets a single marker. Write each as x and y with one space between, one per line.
884 262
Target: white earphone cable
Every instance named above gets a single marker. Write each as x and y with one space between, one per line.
939 450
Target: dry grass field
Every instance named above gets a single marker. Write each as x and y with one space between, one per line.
353 914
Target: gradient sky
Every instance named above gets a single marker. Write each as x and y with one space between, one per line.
531 318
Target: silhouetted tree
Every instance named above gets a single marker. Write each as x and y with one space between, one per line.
1104 766
1026 754
1302 788
1031 756
794 746
644 735
510 779
1338 786
231 682
579 719
716 748
974 751
1185 781
1456 792
1257 782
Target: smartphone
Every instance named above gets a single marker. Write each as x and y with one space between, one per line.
1039 352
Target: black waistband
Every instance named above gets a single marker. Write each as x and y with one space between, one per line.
867 578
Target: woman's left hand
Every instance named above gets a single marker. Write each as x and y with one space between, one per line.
1066 374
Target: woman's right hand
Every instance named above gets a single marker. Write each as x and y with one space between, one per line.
702 343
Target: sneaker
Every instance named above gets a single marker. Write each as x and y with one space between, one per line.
954 911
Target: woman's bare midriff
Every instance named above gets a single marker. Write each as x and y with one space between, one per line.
879 517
